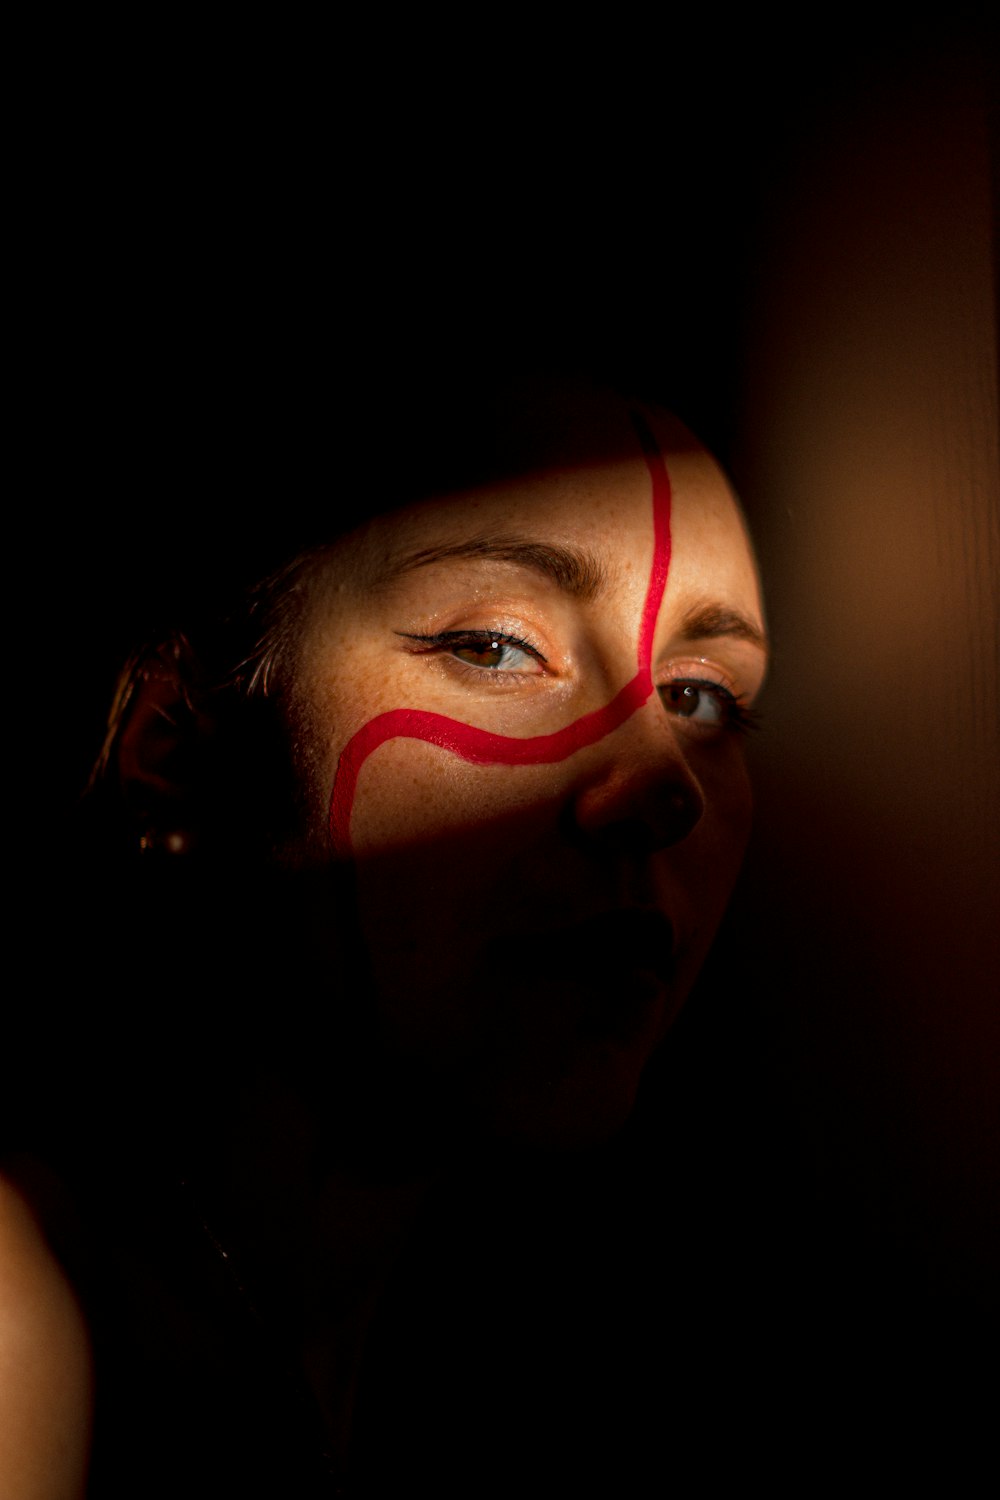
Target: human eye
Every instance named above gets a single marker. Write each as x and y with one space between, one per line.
487 653
705 703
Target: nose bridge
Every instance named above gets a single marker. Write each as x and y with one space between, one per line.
636 787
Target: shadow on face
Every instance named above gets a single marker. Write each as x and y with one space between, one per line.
477 816
536 686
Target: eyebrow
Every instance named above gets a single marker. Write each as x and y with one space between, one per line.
578 573
709 621
574 570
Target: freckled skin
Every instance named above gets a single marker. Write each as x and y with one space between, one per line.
482 748
473 877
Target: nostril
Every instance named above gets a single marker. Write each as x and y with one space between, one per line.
634 816
684 811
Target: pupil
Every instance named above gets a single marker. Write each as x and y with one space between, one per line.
683 699
483 656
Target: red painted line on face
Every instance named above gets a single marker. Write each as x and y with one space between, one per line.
483 747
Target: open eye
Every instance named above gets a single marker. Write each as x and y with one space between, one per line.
486 651
494 653
705 703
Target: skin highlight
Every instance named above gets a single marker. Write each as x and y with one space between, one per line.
484 748
513 821
538 855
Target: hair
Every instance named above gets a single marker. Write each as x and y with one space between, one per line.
227 617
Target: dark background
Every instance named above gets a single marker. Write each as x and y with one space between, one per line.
789 236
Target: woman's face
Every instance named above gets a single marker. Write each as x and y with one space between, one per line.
517 714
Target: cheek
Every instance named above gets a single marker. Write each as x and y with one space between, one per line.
728 799
442 850
699 874
413 798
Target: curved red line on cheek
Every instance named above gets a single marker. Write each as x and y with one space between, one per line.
481 746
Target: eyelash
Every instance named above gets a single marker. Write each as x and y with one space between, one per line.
477 640
737 715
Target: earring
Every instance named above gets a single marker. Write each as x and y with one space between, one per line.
176 841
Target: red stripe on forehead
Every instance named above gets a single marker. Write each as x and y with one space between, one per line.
481 746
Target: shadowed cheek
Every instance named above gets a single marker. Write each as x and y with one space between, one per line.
410 795
448 854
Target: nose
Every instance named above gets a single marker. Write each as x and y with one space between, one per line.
636 792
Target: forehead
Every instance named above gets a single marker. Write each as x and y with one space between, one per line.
711 545
587 487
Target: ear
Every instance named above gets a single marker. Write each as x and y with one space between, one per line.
162 748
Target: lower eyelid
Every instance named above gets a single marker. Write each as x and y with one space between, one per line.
491 677
736 715
485 679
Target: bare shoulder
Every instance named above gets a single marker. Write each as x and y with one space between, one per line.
45 1364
